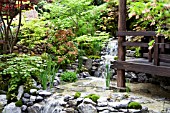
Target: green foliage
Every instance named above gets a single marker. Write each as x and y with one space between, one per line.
20 70
151 43
79 15
48 74
93 97
18 103
77 95
134 105
92 44
151 15
108 75
137 52
69 76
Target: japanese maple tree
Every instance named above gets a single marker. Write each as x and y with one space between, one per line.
9 9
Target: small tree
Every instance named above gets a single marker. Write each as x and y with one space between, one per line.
9 9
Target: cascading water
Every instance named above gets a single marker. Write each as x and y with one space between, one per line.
111 51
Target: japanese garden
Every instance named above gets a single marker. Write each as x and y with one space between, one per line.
84 56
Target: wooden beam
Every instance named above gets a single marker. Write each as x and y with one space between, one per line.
121 39
145 68
136 33
136 44
156 52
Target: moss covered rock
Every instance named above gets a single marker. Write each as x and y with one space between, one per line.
93 97
18 103
77 95
134 105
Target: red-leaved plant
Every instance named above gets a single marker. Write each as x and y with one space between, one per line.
8 11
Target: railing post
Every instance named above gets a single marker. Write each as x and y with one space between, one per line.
156 51
121 39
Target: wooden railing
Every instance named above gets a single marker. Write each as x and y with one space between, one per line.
155 55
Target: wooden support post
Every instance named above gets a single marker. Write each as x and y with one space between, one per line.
162 44
121 39
156 51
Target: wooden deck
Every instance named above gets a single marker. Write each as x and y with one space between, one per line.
142 65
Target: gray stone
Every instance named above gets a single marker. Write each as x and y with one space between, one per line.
79 100
11 108
102 101
25 100
88 101
97 74
20 92
86 108
88 64
45 93
36 108
118 105
3 100
69 110
102 108
55 83
72 103
32 98
39 98
67 98
33 91
23 107
34 83
102 104
30 103
105 111
60 71
26 95
86 74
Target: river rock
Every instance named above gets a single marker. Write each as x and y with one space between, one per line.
33 91
88 101
20 92
26 95
39 98
11 108
23 107
32 98
86 108
36 108
88 64
3 100
44 93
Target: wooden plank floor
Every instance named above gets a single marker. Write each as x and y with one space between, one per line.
142 65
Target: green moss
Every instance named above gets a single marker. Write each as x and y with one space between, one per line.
93 97
134 105
77 95
116 58
18 103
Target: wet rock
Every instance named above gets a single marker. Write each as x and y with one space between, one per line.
86 108
44 93
11 108
88 101
3 100
69 110
20 92
32 98
88 64
30 103
36 108
105 111
39 98
23 107
33 91
26 95
67 98
72 103
97 73
25 100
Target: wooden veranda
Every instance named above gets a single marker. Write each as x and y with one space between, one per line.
157 62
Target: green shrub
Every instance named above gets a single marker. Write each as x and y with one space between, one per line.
93 97
77 95
69 76
134 105
18 103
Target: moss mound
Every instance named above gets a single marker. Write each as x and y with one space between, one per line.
134 105
77 95
19 103
93 97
